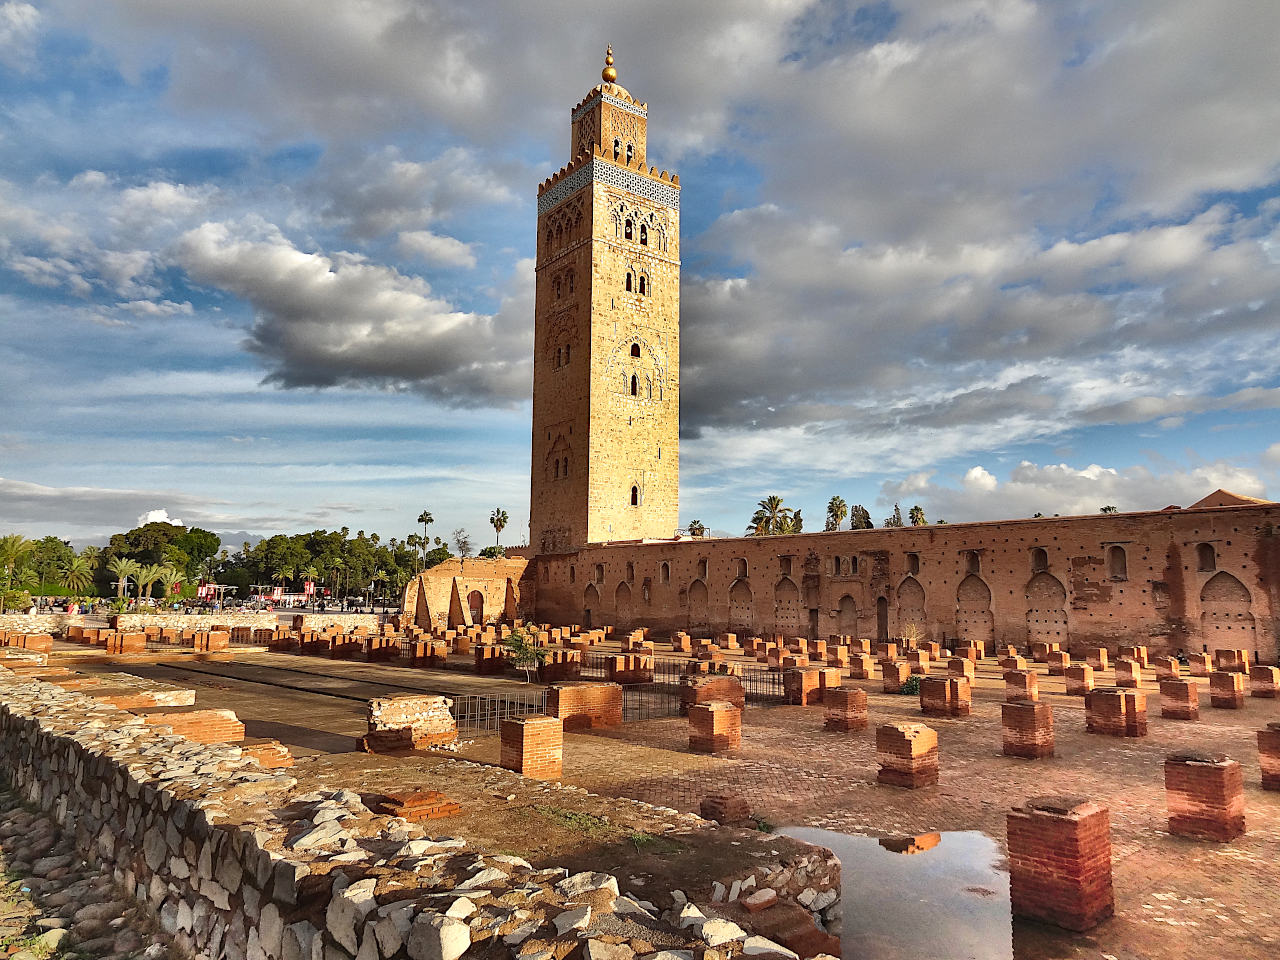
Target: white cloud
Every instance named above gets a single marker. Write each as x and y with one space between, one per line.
1062 489
433 248
158 516
19 25
1272 455
327 319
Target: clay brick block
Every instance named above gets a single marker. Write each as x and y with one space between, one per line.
1205 794
200 726
859 646
1264 682
1012 663
1167 668
1028 729
802 687
1232 661
409 722
895 675
1226 690
846 709
1179 699
1079 679
969 652
908 755
1198 664
961 667
1269 755
270 754
417 805
933 648
1021 685
1128 673
1136 652
705 687
585 705
918 662
887 651
714 727
1097 657
533 746
1113 712
725 808
861 666
949 696
1060 862
1058 661
629 668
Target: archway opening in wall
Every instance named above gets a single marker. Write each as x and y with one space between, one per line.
1226 618
882 618
699 605
847 617
1046 609
974 621
788 616
1117 563
741 614
475 600
622 603
1206 557
911 606
590 601
1039 560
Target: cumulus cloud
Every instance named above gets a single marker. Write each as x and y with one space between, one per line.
434 248
158 516
1066 490
327 319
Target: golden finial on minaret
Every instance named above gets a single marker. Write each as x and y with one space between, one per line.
609 74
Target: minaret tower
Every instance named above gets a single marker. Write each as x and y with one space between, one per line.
606 361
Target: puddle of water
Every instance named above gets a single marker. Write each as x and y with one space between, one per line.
939 895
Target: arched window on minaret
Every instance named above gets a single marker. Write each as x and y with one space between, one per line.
635 349
557 288
627 230
570 278
617 148
643 285
635 386
644 235
635 496
628 282
631 151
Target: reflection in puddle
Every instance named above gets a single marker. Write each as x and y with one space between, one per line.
940 895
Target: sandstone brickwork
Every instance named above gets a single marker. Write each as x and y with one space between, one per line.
409 722
1114 712
715 727
1226 689
1028 729
585 705
533 746
908 755
1179 699
846 709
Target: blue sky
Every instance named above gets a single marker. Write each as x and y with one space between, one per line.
267 266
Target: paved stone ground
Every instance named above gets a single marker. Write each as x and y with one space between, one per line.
52 904
1174 898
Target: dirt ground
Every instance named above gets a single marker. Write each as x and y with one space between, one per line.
1175 898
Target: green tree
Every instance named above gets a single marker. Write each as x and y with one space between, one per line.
1109 509
498 520
859 518
426 519
14 551
75 574
146 576
896 519
123 568
437 555
48 557
697 528
771 518
837 510
492 553
523 654
199 545
916 516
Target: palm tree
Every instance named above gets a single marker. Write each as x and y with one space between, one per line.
697 528
837 510
91 556
14 549
75 574
916 516
172 579
426 519
379 576
146 576
1109 509
498 520
123 568
770 518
